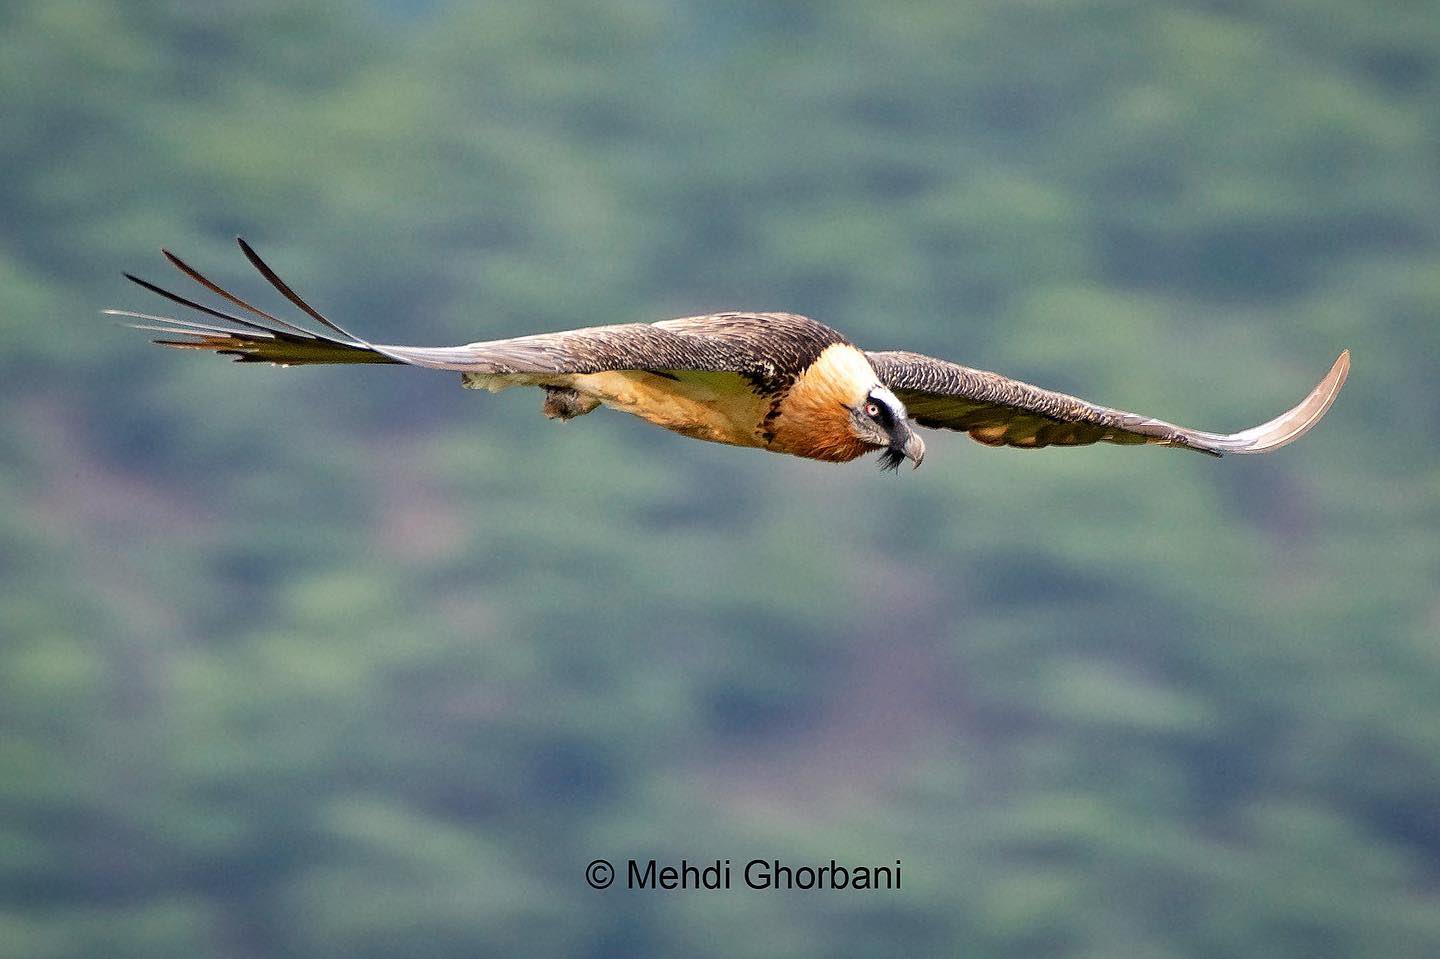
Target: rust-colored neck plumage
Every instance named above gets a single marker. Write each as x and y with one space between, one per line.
814 418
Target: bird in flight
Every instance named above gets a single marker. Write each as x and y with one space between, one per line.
774 381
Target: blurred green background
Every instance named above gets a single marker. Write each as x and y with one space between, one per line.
349 663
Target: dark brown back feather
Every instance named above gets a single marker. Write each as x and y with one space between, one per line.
768 349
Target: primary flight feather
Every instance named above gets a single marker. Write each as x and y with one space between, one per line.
775 381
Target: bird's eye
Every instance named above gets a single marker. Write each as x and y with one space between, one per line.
872 409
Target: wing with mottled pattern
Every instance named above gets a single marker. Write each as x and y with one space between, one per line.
759 346
999 411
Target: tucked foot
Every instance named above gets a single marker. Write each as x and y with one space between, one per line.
563 403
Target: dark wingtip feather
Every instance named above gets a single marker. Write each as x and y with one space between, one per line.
290 294
215 288
200 307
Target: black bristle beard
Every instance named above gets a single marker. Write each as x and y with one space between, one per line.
891 459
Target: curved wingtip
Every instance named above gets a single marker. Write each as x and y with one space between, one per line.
1288 426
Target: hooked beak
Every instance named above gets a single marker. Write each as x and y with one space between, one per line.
910 445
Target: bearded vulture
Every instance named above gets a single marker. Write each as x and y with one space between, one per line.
774 381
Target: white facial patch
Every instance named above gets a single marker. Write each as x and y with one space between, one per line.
884 395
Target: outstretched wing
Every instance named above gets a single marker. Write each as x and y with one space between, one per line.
754 345
999 411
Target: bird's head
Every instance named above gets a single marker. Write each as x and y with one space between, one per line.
880 421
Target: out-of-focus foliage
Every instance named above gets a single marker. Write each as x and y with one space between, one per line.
349 663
